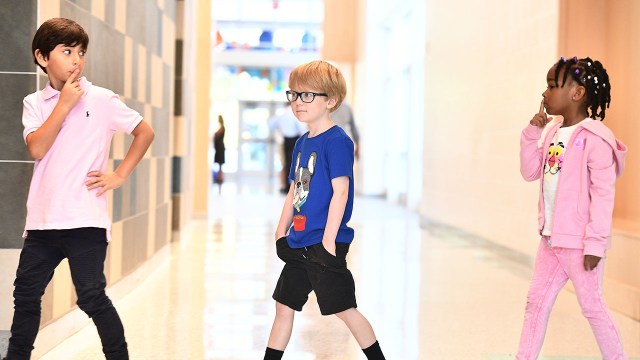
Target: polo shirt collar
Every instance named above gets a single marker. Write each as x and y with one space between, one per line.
49 92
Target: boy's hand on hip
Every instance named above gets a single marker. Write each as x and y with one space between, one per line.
590 262
71 91
104 181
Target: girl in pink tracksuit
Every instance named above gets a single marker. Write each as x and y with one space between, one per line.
577 160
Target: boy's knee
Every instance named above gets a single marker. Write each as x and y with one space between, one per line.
346 314
283 310
93 303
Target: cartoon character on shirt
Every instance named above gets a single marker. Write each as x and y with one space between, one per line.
554 159
303 180
302 189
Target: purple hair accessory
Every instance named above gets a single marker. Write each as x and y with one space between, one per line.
575 59
577 71
563 59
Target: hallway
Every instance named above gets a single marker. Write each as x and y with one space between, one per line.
430 292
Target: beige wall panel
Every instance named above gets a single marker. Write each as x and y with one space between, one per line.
151 233
63 290
121 15
115 253
202 104
179 26
109 194
157 81
168 41
340 26
9 259
47 303
118 144
167 179
485 72
180 146
128 66
148 118
153 183
48 9
98 9
622 285
168 225
141 76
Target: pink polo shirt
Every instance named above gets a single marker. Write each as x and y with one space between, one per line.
58 197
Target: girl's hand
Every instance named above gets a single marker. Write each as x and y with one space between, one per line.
540 119
105 181
590 262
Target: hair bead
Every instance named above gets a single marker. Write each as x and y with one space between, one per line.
590 74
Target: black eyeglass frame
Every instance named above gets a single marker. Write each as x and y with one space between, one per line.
294 95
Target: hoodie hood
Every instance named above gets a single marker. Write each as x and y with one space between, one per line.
601 130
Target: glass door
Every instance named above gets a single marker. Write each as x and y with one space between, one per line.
256 150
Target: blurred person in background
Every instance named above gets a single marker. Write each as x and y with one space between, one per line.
289 129
218 147
343 117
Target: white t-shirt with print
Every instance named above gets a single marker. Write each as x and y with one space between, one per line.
552 170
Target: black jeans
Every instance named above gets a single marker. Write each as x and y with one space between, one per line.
43 250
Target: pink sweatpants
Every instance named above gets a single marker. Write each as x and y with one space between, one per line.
553 267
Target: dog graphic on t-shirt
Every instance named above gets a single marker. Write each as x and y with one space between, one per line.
303 180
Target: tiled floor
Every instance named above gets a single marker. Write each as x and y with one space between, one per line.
430 292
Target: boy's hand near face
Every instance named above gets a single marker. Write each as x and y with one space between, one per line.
71 91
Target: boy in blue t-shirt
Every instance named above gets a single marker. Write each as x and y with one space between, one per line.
319 204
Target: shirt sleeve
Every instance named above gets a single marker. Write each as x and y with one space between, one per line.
340 157
31 117
122 117
531 155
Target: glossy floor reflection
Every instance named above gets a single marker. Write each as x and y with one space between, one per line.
430 292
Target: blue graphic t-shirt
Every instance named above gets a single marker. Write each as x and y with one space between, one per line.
316 161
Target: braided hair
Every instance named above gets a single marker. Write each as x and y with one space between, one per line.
592 75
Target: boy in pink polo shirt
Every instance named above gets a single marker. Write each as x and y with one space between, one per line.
68 128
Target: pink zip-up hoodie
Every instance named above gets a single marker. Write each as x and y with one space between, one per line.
584 199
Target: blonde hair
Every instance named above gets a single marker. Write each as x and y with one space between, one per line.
320 76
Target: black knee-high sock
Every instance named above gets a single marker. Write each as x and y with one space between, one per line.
374 352
273 354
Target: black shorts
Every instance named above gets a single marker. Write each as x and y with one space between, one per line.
313 268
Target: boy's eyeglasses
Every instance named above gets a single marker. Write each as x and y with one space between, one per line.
306 97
